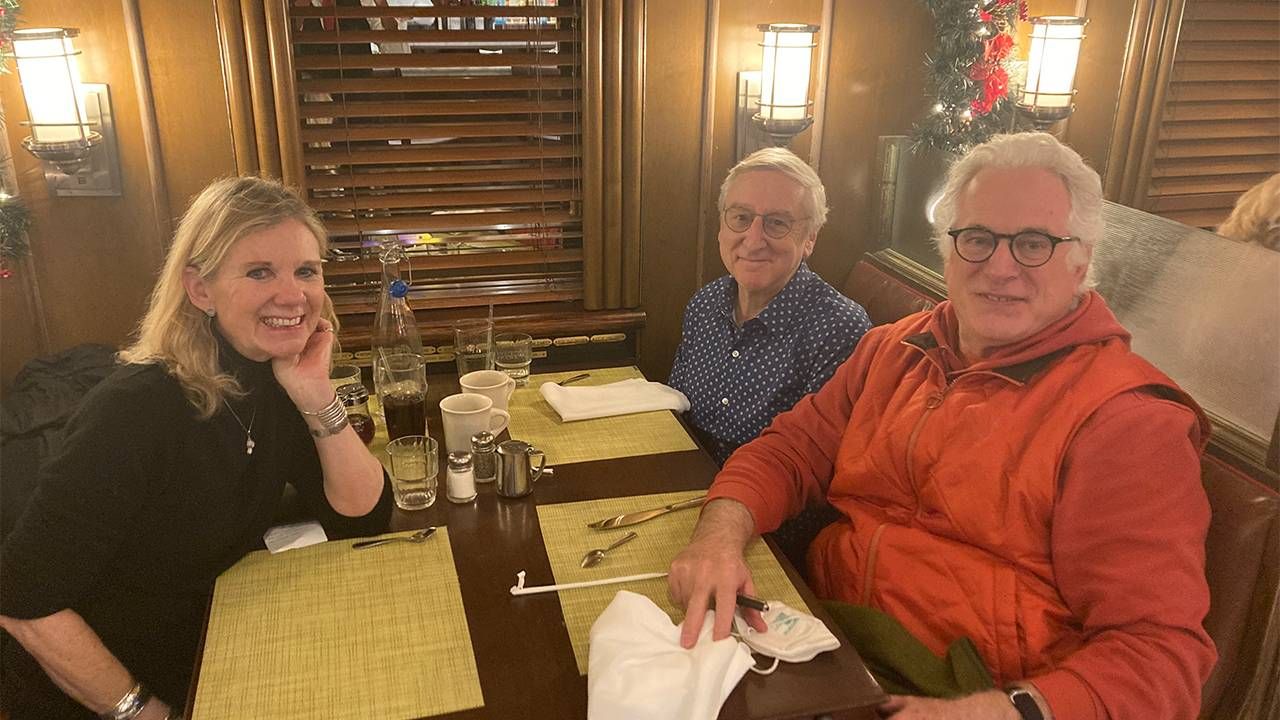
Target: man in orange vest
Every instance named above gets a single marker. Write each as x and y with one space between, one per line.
1008 471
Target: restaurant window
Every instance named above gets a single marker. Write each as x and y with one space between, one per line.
471 134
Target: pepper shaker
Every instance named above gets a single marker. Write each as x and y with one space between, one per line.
355 398
484 457
461 479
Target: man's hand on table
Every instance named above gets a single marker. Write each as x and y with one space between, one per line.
990 705
712 568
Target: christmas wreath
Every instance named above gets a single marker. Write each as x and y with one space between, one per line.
966 71
15 218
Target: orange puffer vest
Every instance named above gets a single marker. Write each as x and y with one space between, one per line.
948 515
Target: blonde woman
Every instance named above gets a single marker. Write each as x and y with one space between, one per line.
173 467
1256 216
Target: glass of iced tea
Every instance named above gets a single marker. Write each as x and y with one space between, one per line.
401 382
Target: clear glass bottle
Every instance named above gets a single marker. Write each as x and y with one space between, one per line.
460 484
396 329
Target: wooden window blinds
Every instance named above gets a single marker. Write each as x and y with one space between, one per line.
1219 133
453 130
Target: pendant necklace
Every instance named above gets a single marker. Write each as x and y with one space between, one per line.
248 431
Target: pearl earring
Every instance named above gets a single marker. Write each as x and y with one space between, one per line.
210 312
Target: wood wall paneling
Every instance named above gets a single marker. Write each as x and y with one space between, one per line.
675 41
94 258
875 86
737 49
1101 68
191 104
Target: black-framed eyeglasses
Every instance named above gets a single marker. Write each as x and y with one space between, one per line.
1030 248
775 226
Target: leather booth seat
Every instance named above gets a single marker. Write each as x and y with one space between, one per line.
1242 548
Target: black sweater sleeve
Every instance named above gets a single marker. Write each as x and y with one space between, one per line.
90 494
307 478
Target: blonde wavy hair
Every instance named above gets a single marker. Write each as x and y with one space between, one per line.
177 334
1256 216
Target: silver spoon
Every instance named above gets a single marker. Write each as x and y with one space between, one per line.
575 378
417 537
595 556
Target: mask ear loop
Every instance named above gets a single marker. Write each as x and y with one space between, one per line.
754 667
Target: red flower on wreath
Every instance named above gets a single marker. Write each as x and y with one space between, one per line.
998 48
995 85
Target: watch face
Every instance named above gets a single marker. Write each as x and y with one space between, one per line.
1025 704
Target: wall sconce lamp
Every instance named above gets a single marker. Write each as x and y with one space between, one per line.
1047 95
779 90
72 129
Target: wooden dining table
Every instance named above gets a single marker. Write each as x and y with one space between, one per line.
523 653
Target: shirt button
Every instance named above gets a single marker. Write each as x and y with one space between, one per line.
724 402
735 353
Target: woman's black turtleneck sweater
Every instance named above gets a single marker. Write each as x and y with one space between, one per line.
139 511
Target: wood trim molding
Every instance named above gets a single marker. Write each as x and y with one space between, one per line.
158 183
613 170
292 170
235 78
262 96
706 185
1153 39
633 78
820 90
593 203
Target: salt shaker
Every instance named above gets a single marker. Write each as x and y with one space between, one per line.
484 457
461 480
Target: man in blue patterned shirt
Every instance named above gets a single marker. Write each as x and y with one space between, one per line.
771 331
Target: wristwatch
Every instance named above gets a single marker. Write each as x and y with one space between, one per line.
1025 703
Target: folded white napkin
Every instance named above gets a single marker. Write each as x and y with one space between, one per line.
636 669
621 398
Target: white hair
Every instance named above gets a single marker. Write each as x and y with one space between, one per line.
788 163
1031 150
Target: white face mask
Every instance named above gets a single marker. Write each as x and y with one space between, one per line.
793 636
636 669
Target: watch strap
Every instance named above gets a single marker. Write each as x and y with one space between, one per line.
1025 703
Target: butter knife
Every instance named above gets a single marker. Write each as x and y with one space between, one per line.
643 515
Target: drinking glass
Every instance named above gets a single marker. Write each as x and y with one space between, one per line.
512 353
415 462
401 382
343 374
473 345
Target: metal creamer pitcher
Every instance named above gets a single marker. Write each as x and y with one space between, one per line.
516 473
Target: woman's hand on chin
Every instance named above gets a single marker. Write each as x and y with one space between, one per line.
305 377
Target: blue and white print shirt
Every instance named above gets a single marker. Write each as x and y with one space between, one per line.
738 378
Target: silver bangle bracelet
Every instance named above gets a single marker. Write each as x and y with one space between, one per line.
130 706
332 418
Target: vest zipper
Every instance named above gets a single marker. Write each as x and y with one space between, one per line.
934 401
868 575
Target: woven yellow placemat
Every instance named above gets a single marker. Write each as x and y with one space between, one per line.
535 422
567 538
331 632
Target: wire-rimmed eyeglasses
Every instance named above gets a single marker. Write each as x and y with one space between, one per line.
1029 248
775 226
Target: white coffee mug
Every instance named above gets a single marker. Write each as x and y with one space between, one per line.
466 414
493 384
